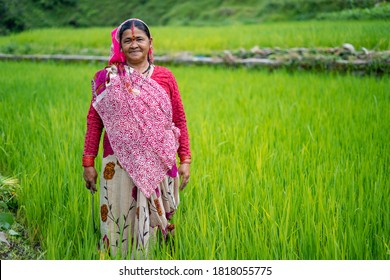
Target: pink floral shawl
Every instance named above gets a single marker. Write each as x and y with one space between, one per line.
139 126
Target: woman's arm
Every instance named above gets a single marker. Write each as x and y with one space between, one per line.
179 118
92 137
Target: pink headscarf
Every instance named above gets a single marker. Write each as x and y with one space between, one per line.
116 56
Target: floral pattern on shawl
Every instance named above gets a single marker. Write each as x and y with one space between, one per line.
139 127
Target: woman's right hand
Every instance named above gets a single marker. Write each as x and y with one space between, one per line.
90 176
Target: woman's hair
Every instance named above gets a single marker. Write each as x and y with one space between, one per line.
129 24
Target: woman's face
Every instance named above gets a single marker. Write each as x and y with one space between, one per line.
135 45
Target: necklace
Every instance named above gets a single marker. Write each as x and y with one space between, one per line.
147 69
137 91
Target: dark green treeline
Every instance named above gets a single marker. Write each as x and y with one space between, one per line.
18 15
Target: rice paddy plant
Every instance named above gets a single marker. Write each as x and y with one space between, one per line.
285 165
309 34
206 40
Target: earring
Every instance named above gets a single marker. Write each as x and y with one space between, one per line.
150 54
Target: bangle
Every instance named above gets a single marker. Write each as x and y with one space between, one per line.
185 159
88 161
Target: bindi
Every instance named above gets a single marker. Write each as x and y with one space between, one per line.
132 32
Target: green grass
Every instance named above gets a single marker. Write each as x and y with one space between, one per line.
285 166
206 40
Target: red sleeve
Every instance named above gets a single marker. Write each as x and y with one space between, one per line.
179 118
166 79
94 122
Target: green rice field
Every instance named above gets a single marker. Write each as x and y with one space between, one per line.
372 35
285 165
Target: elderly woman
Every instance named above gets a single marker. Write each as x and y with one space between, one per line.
139 106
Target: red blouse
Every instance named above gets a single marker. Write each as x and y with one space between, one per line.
164 78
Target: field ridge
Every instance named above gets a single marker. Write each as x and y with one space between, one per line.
341 59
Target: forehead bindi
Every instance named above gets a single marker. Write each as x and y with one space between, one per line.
133 33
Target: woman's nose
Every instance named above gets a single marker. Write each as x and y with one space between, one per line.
133 44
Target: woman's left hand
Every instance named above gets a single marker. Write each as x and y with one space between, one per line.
184 172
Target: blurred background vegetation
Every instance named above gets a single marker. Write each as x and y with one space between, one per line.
16 16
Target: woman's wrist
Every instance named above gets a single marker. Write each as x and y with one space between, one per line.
185 159
88 161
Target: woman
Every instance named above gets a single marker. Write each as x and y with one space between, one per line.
139 106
